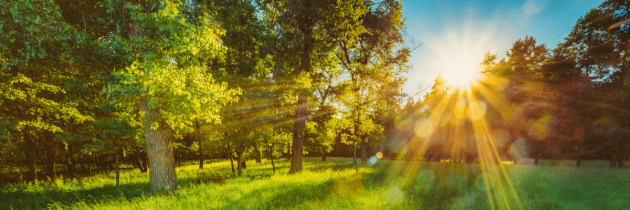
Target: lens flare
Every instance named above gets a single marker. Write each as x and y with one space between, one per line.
476 110
459 109
424 127
394 195
372 160
379 155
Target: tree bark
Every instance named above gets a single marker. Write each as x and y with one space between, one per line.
159 145
301 111
28 141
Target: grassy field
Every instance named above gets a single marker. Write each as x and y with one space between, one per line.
335 185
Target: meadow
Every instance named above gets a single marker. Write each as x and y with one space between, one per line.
388 184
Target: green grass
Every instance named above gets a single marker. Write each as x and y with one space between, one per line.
335 185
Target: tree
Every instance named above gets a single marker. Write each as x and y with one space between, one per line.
524 60
36 71
308 23
168 78
358 134
598 49
374 57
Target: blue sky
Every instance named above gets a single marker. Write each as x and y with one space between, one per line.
452 31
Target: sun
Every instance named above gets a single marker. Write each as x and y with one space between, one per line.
462 70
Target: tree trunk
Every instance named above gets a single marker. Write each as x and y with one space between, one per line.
244 163
159 145
145 161
258 156
579 162
109 163
134 161
117 172
231 162
323 156
230 154
51 159
271 157
141 165
88 159
354 158
100 162
71 157
28 141
363 151
200 150
613 159
289 152
240 162
273 136
97 162
621 159
537 153
301 111
67 159
81 162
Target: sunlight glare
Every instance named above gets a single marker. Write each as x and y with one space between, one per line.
461 70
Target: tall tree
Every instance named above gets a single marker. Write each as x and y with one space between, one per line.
307 23
167 77
374 57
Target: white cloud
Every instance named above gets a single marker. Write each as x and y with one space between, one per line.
531 7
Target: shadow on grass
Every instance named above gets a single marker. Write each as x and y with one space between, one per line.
338 167
51 194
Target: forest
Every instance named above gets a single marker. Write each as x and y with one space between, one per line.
89 88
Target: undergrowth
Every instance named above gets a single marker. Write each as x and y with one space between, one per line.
332 185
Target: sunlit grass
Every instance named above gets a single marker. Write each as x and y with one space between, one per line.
335 185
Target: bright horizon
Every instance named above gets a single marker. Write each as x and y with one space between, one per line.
456 34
